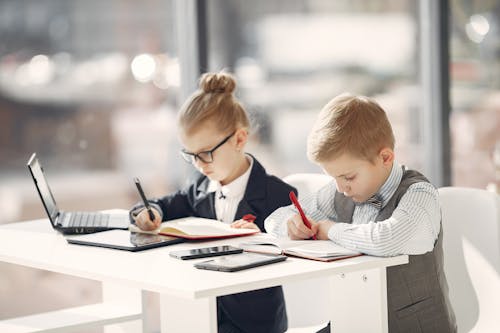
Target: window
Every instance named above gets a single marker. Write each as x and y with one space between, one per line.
91 86
475 93
292 57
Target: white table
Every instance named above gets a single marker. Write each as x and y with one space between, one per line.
358 285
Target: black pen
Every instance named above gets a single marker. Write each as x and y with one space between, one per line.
146 203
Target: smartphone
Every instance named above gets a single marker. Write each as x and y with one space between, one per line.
205 252
239 262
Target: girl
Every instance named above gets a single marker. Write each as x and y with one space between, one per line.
214 131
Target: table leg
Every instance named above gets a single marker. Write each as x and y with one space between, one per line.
359 301
178 314
133 299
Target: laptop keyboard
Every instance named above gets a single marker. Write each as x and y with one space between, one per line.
88 219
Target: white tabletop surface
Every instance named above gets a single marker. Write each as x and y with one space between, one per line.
36 244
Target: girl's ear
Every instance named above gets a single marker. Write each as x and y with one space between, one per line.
241 138
387 156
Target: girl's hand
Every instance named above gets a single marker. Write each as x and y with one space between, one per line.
143 221
244 224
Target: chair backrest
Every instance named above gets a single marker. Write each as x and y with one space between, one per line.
471 244
307 183
304 310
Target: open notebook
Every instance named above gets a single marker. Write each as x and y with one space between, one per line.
197 228
321 250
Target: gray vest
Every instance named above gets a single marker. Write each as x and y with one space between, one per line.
417 293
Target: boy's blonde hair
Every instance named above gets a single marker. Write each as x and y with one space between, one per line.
214 101
349 124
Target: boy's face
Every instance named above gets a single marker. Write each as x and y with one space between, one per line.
358 178
225 158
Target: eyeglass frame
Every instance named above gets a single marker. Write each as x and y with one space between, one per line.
192 157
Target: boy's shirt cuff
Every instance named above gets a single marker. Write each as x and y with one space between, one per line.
336 232
278 227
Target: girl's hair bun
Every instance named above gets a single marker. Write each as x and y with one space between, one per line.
217 83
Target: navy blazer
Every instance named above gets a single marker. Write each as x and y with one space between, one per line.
254 311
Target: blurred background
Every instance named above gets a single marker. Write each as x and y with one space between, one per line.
93 87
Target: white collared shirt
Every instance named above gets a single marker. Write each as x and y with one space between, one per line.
228 197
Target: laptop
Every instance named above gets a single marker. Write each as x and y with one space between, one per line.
72 222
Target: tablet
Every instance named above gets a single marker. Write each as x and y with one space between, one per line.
124 240
205 252
238 262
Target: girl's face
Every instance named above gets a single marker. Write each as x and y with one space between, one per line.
217 155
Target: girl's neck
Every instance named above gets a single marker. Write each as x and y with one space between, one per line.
241 167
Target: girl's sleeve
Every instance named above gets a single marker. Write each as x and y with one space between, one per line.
172 206
176 205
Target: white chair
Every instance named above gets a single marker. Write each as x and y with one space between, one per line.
305 313
307 183
471 243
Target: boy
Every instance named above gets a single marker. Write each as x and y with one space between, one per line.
375 206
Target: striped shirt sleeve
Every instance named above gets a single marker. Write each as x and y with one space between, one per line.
317 206
412 229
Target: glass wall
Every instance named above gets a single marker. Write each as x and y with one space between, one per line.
292 57
91 87
475 93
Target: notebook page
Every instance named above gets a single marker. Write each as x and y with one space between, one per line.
321 248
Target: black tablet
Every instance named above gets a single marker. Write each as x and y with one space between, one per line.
238 262
124 240
205 252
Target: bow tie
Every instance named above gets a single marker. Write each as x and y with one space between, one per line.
375 201
222 196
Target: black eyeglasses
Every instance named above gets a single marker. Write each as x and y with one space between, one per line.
204 156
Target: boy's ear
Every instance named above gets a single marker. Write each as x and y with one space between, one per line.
387 156
241 138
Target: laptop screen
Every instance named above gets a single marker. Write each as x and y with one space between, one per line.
43 188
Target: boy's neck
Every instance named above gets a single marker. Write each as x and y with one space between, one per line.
386 174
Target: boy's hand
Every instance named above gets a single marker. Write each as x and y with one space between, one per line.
298 230
143 221
321 228
244 224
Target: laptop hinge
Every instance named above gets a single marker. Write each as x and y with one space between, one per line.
58 219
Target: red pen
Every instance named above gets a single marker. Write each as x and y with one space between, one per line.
301 212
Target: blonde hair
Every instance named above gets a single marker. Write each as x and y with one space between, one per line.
214 101
349 124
